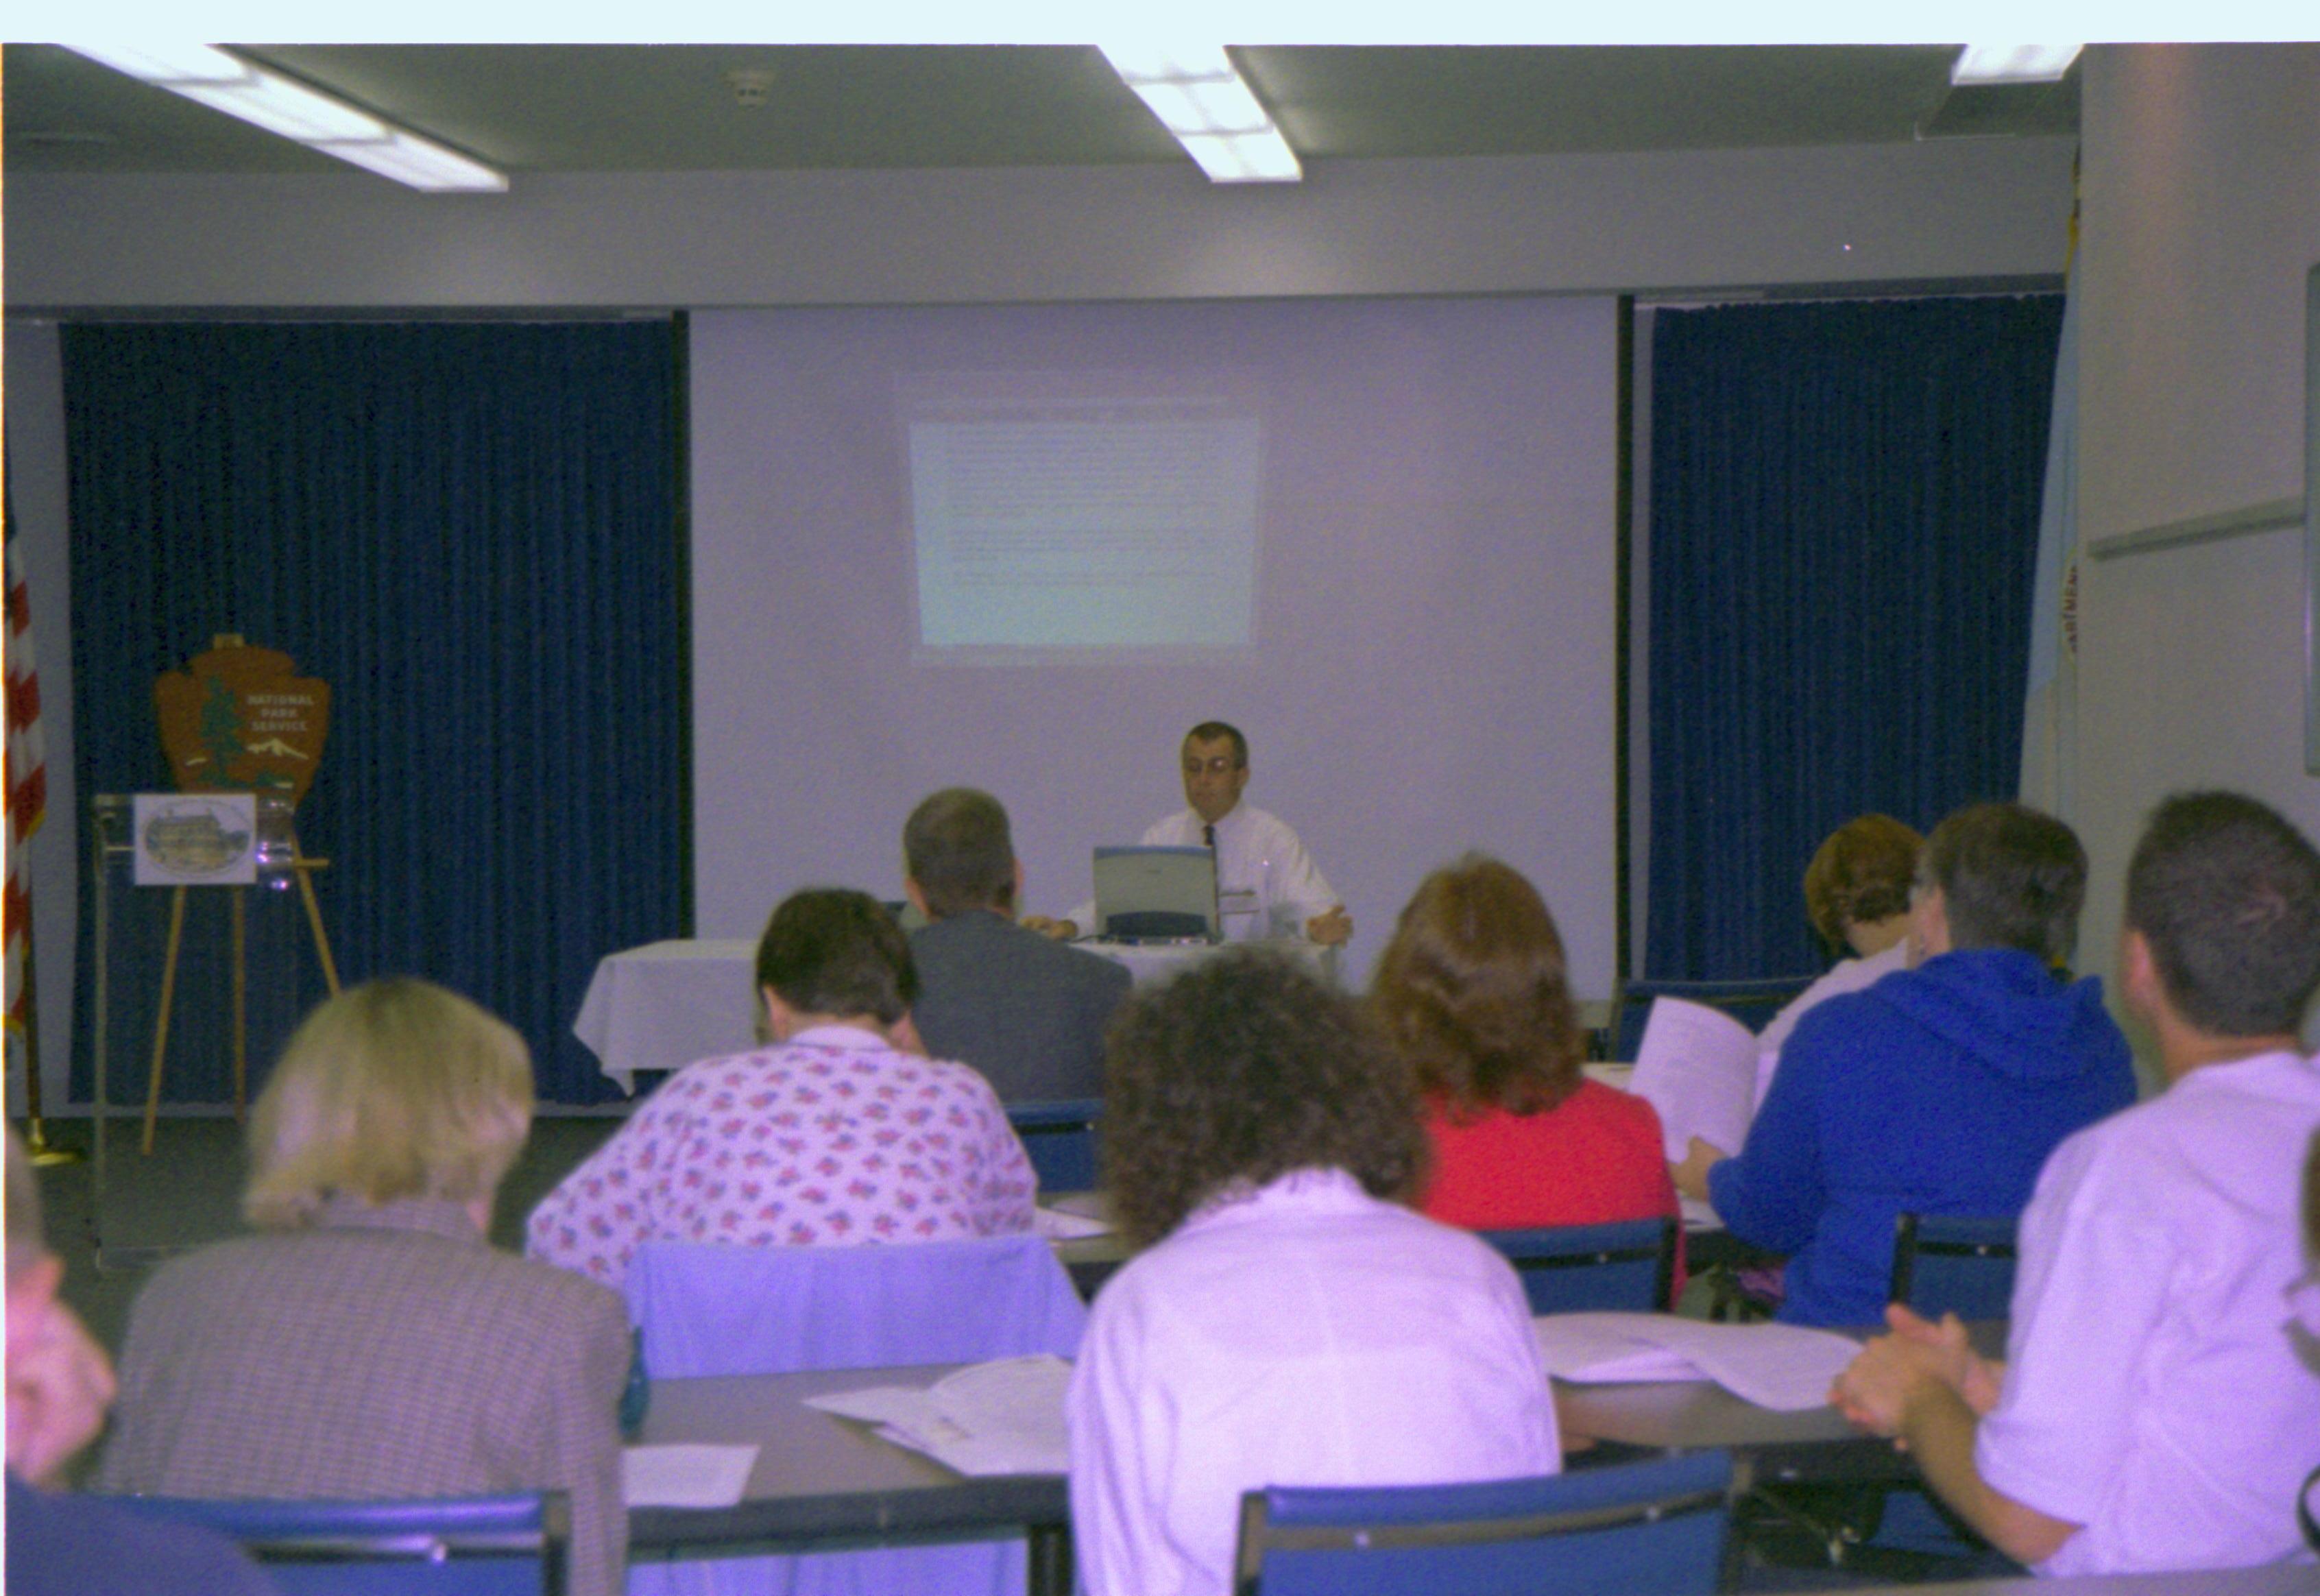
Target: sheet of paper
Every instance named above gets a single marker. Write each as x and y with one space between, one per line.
685 1476
1001 1418
1784 1368
876 1404
1768 1059
1053 1224
1012 1412
1697 1066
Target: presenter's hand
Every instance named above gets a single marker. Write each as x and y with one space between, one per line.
1062 930
1332 927
1691 1174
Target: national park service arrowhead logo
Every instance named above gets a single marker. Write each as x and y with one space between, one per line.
236 720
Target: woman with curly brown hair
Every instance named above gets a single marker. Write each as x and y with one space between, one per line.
1293 1323
1473 992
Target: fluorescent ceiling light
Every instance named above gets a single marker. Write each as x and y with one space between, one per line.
2013 63
1199 97
227 83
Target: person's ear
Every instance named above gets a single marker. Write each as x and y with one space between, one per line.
2138 974
917 894
781 1019
1929 924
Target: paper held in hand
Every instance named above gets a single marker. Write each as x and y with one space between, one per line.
1702 1070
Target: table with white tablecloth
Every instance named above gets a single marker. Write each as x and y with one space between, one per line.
663 1005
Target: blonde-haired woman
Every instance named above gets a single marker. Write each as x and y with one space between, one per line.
369 1342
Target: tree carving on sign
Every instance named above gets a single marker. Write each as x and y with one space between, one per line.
240 720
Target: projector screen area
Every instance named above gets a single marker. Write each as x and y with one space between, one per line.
1116 519
1025 548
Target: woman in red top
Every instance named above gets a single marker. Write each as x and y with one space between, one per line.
1472 990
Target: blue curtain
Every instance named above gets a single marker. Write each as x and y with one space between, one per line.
474 533
1844 529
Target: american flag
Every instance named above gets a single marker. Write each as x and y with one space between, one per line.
27 785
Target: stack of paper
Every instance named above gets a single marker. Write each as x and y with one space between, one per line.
1002 1417
685 1476
1786 1368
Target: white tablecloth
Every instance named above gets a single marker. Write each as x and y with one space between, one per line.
663 1005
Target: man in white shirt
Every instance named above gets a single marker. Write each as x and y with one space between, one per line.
2156 1410
1266 882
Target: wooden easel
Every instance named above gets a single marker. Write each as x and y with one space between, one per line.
205 720
301 867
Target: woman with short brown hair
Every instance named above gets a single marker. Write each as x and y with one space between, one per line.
1473 993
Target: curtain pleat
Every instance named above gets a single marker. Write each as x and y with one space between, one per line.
1844 532
472 532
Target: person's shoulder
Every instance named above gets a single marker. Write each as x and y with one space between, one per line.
1839 1024
1265 821
706 1075
1624 1110
220 1266
950 1077
556 1293
1093 968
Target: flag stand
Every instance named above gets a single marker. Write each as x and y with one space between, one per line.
36 1131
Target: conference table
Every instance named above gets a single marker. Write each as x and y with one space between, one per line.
666 1004
821 1481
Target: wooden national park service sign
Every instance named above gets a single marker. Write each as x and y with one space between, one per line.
237 720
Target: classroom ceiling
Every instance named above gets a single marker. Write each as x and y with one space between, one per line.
595 108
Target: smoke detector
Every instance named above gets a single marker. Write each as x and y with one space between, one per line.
750 86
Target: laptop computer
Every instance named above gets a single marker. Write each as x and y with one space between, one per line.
1157 895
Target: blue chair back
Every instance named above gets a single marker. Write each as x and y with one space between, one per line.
480 1546
1751 1003
1060 1138
710 1310
1946 1263
1660 1526
1629 1266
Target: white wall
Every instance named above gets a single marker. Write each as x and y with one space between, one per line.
1588 224
2201 190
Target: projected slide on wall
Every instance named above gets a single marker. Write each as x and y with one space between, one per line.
1024 548
1048 523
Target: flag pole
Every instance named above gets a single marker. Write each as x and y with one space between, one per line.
36 1134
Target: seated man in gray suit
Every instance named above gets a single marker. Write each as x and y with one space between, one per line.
1027 1012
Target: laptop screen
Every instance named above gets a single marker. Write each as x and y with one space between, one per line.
1155 894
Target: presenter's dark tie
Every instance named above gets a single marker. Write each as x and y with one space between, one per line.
1209 836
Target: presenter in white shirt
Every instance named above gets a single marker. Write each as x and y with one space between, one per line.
1267 884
